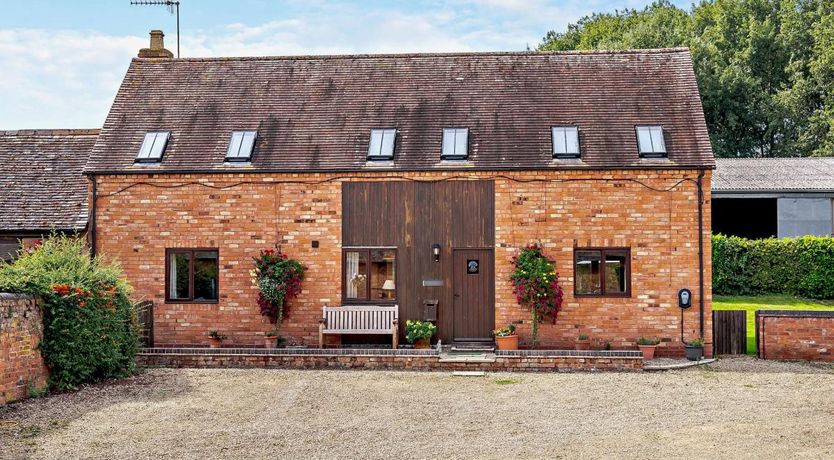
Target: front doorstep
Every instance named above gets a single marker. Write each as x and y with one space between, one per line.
412 360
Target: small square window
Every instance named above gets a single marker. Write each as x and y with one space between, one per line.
602 272
650 141
153 147
455 143
241 145
192 275
370 275
381 146
565 141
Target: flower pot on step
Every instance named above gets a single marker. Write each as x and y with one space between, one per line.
648 351
270 342
215 343
509 342
584 344
422 343
694 353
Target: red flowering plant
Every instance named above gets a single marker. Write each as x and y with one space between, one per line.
536 286
278 279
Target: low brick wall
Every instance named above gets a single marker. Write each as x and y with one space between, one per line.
406 360
795 335
21 364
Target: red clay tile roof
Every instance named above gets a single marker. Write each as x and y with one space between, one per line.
42 185
315 113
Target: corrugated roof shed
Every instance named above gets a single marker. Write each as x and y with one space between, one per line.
315 113
773 175
42 185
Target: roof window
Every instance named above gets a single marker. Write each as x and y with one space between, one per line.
241 145
381 146
455 143
565 141
153 147
650 141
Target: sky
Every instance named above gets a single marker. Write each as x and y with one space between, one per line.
61 61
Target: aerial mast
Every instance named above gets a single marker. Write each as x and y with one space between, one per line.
173 8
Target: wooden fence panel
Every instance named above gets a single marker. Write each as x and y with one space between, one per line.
729 332
145 312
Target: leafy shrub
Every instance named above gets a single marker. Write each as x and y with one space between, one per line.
89 322
801 266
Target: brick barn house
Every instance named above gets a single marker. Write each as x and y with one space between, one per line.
42 185
387 175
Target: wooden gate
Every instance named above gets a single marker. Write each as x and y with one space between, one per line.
145 312
729 332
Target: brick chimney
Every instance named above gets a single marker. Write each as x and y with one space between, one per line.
157 49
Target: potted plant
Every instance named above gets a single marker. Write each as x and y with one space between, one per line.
536 286
506 338
419 333
694 349
647 346
273 339
215 338
583 342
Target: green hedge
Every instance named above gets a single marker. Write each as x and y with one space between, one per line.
89 322
795 266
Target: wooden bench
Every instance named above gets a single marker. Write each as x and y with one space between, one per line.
359 319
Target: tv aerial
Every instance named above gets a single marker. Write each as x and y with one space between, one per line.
173 7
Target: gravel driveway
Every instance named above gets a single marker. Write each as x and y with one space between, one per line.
735 408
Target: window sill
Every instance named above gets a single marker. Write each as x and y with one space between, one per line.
369 302
197 302
602 296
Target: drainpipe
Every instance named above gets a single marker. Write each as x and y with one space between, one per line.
93 216
701 249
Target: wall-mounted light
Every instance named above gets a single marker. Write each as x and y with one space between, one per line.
435 249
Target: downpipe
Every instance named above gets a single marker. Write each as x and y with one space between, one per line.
701 250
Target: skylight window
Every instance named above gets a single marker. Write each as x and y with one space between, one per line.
241 145
565 141
153 147
381 146
650 141
455 143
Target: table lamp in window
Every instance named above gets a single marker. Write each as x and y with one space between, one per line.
388 288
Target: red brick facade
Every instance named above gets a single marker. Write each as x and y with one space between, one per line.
21 364
653 212
796 335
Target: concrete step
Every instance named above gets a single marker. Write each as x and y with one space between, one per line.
467 358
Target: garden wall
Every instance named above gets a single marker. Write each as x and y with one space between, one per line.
795 335
21 364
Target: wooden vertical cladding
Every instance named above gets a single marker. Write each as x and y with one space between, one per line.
413 216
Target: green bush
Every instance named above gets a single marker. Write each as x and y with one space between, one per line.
89 322
795 266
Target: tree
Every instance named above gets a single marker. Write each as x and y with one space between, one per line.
765 68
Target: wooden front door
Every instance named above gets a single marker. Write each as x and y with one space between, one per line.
474 294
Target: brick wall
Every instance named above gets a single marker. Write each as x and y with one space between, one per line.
141 215
21 364
795 335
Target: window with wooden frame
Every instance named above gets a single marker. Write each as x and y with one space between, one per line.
370 275
191 275
602 272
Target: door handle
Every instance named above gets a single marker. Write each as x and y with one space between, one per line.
457 295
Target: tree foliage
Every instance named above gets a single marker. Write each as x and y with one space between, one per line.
765 68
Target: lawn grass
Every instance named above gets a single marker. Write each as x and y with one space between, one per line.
769 302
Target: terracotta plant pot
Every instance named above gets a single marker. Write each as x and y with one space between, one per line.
214 343
270 342
509 342
648 351
583 344
422 343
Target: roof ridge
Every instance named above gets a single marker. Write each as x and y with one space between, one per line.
423 55
51 132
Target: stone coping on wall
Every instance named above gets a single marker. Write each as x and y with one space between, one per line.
572 353
797 313
390 352
11 296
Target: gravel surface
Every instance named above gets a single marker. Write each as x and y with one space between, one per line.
735 408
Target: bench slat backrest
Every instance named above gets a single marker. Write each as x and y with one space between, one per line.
367 319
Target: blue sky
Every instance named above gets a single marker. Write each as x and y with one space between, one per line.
61 61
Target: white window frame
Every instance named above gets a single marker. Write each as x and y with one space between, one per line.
455 144
241 146
650 141
567 137
153 147
382 143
